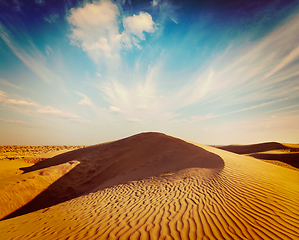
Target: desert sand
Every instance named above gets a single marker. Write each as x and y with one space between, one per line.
151 186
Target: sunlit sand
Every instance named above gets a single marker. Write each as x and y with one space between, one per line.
151 186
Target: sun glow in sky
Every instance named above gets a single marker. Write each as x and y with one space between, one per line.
85 72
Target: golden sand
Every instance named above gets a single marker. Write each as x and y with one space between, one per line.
153 186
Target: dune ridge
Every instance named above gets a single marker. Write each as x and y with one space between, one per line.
239 198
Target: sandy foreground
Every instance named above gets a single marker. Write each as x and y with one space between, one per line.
151 186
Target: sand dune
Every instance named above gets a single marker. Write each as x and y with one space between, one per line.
291 159
282 154
259 147
106 165
153 186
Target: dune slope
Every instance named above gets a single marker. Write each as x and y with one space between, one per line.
134 158
235 197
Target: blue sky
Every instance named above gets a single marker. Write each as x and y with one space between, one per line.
86 72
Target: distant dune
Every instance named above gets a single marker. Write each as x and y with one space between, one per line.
154 186
282 154
259 147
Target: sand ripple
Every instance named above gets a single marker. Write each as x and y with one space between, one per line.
247 199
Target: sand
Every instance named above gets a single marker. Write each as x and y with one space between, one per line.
32 154
14 158
153 186
19 190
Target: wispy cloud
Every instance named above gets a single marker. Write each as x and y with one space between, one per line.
52 18
40 2
49 50
260 72
17 122
253 72
31 57
57 112
4 82
134 120
114 109
20 103
13 102
284 108
142 107
116 94
85 100
35 108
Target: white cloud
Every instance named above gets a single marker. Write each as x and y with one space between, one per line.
114 109
95 28
85 100
137 24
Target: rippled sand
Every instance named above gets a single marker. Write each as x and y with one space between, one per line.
153 186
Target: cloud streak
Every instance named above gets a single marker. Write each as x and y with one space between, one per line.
31 107
13 102
4 82
256 72
85 100
17 122
31 57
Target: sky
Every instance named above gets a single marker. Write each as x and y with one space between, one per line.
216 72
